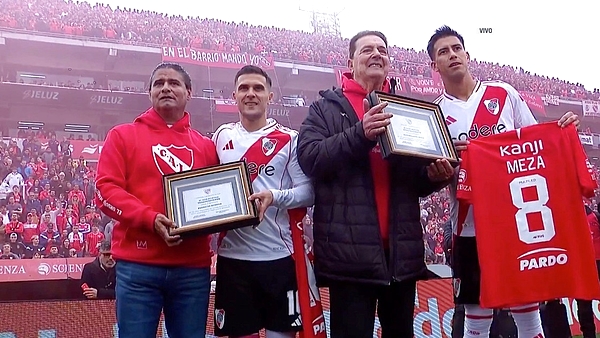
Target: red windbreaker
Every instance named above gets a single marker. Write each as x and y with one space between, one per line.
133 161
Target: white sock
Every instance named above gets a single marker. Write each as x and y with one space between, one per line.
528 321
478 321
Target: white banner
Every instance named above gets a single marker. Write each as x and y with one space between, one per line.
591 108
551 100
586 139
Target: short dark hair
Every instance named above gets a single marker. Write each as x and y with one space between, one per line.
187 79
249 69
105 246
352 47
442 32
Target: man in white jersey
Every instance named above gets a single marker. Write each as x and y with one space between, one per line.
256 278
476 109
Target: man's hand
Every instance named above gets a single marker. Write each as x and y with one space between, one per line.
90 293
569 118
375 121
162 225
263 200
460 146
440 171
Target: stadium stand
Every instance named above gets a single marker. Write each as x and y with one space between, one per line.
70 71
139 27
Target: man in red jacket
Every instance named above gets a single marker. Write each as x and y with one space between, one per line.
155 271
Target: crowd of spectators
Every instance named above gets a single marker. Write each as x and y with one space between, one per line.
47 200
47 205
142 27
435 211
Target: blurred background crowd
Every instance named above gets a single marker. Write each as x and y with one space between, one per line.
141 27
47 196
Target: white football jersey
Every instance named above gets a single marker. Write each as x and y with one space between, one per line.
493 107
270 154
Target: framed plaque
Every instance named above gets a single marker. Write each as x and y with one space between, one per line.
210 200
416 130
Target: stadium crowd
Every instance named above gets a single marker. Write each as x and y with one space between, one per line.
46 197
46 200
141 27
47 204
435 211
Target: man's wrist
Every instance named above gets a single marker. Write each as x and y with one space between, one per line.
275 194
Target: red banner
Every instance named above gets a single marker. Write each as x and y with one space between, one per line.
90 150
424 86
18 270
211 58
433 312
226 106
534 101
434 308
432 316
437 78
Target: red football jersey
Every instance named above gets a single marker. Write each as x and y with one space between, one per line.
93 239
533 240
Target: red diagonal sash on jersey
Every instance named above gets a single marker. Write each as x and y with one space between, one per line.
260 154
487 115
311 309
262 151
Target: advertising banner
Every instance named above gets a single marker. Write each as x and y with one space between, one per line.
22 270
96 318
45 96
535 102
211 58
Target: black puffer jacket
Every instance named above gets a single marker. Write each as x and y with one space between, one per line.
334 152
99 278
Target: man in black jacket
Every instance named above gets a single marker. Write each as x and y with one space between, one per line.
98 277
368 240
458 318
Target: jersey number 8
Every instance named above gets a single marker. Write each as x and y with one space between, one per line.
526 235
